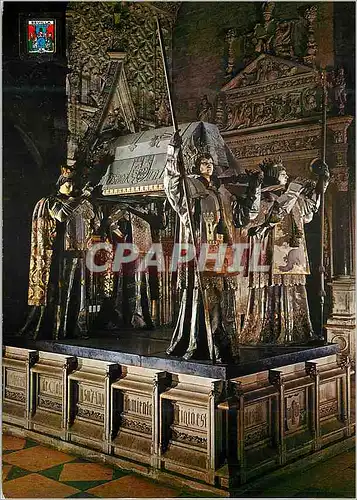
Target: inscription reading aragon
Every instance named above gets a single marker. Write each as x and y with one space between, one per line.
190 417
15 379
92 396
50 386
137 405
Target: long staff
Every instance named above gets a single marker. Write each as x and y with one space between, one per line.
186 198
322 202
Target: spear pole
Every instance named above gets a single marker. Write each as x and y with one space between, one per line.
183 175
322 202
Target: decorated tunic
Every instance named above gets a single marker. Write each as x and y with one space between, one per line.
277 309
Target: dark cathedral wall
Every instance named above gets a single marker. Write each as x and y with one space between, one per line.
34 145
199 47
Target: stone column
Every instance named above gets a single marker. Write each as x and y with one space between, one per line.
342 321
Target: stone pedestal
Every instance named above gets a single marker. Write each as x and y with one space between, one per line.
48 409
135 414
16 366
191 427
89 403
331 399
216 428
279 416
251 436
341 325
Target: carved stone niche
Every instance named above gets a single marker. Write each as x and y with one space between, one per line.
89 403
135 414
48 387
251 415
16 366
332 398
191 434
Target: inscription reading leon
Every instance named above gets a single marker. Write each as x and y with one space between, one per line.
50 386
15 379
136 404
90 395
190 417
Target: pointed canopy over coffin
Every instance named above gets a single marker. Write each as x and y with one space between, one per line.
140 158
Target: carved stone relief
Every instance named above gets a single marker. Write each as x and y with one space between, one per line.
98 85
295 411
269 90
15 395
288 38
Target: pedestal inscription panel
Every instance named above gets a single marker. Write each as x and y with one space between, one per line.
48 409
135 414
16 365
89 403
191 427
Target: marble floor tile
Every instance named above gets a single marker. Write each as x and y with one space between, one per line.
5 471
86 472
12 442
37 458
36 486
131 487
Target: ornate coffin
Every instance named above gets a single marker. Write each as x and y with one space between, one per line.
140 158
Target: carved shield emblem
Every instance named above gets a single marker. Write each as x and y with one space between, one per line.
293 412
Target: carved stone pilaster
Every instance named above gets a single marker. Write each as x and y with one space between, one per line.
17 387
230 38
135 414
49 382
341 325
89 403
341 209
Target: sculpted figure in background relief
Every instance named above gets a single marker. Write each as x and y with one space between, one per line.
205 110
264 33
282 43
